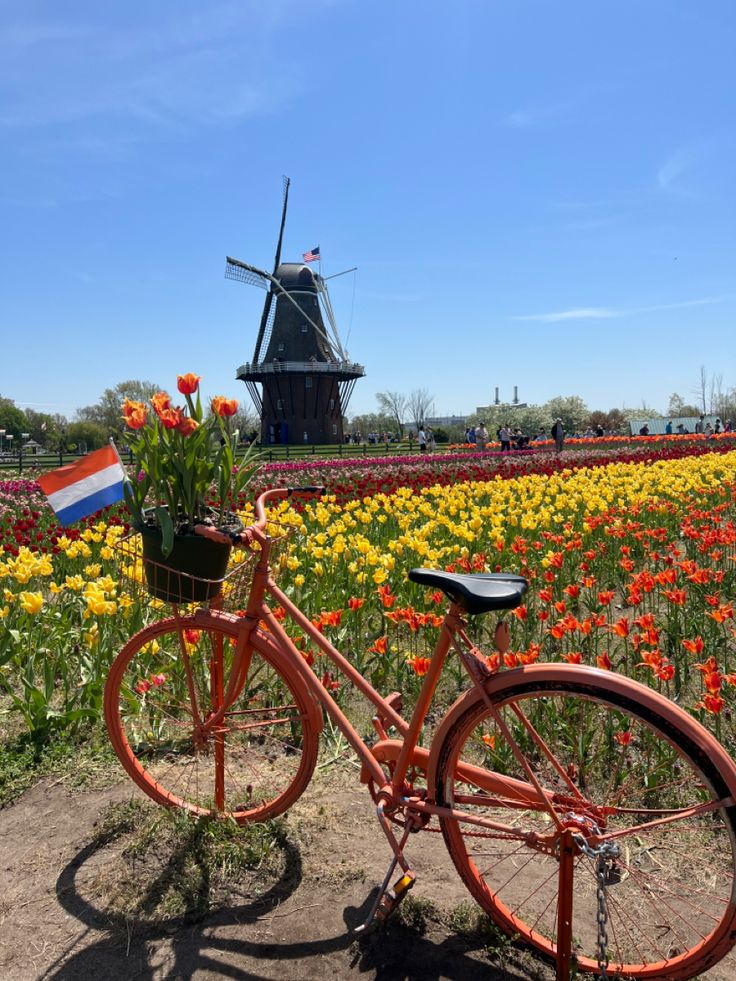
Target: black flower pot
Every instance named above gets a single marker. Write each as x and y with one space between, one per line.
191 573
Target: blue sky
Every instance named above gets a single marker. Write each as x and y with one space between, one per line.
536 193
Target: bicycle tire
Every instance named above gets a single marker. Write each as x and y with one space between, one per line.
252 766
671 898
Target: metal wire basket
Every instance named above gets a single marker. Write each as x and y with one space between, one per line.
149 581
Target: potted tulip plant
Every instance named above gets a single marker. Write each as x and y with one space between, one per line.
187 475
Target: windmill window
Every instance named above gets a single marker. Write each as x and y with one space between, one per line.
334 429
305 328
281 348
332 404
280 404
308 382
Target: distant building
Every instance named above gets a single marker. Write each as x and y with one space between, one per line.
658 427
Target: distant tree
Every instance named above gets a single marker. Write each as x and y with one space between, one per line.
571 409
393 404
642 411
725 407
371 422
246 420
701 391
677 407
12 419
529 420
421 405
612 421
42 428
107 412
81 436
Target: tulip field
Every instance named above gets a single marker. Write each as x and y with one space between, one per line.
629 551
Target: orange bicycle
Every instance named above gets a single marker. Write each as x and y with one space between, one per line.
590 817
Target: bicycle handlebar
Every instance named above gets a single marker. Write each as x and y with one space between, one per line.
245 537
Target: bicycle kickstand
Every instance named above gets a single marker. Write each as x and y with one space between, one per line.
389 897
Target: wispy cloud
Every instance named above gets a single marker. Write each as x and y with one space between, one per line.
531 116
613 313
177 70
675 168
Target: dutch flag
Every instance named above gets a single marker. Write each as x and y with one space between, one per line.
81 488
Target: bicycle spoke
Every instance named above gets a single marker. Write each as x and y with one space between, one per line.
250 760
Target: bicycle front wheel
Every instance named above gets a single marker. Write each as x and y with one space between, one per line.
165 685
616 761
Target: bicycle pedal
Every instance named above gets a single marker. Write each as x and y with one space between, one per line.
393 896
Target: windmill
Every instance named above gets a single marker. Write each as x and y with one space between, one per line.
305 375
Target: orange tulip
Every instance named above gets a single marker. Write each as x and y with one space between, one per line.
695 646
380 646
188 384
711 703
187 426
134 414
224 407
160 401
573 657
171 418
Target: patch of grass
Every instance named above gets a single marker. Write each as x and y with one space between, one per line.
469 920
417 912
79 762
170 865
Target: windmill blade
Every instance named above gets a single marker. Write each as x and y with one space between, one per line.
243 273
335 341
264 330
277 258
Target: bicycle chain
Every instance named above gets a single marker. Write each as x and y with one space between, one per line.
604 856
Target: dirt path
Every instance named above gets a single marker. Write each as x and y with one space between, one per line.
54 922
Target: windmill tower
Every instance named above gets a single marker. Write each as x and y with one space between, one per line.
300 378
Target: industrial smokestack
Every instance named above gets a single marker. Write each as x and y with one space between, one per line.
516 394
498 400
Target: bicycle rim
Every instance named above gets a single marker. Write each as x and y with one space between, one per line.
671 907
164 685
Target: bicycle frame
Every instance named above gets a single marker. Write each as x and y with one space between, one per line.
404 753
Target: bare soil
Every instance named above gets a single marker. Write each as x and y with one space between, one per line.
59 918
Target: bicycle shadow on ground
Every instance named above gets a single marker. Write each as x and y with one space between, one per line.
237 941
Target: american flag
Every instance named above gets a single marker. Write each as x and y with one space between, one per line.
312 256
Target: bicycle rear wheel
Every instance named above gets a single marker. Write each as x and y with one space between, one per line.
614 758
168 680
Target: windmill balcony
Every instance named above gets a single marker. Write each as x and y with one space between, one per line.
257 370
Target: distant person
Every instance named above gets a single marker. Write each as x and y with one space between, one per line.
558 435
681 429
481 436
708 430
472 436
422 440
668 428
599 430
728 427
717 427
699 425
644 431
431 442
504 435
